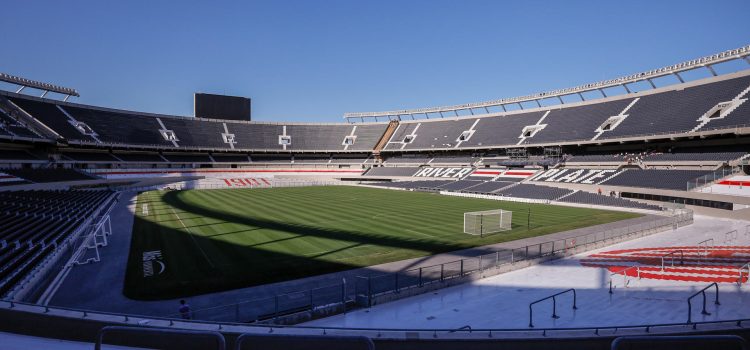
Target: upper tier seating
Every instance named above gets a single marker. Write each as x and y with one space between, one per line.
676 111
50 115
668 112
651 178
196 133
576 123
49 175
502 130
120 127
13 127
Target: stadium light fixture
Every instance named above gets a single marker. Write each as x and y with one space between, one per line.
703 62
46 87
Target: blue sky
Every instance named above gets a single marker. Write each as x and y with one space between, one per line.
314 60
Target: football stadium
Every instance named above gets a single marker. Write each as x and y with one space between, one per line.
609 214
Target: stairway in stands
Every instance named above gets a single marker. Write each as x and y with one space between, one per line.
392 126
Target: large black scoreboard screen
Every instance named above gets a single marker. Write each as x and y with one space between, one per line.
222 107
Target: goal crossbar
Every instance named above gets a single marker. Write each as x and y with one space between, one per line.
487 221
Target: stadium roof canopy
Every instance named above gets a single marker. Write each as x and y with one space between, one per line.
46 87
675 69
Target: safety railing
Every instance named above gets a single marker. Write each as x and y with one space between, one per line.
554 305
703 293
710 178
671 256
704 246
382 332
369 287
275 306
741 271
624 273
731 237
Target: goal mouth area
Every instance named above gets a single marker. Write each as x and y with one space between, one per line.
487 221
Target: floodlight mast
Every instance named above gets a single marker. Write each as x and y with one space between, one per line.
46 87
707 62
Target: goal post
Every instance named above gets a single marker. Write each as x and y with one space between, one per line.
488 221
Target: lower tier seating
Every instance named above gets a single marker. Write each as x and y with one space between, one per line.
598 199
34 223
652 178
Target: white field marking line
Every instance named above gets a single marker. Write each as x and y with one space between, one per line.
193 238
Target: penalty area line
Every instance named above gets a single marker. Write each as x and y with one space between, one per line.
193 238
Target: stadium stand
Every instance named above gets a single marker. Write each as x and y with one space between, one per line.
534 192
196 133
312 158
457 159
488 186
596 158
34 223
389 171
49 174
676 111
598 199
407 159
52 116
89 157
187 158
576 123
120 127
697 156
271 158
13 127
230 158
140 157
502 130
349 158
460 185
17 155
651 178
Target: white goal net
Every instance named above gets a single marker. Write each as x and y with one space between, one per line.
488 221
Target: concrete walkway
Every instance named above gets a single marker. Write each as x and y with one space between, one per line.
99 286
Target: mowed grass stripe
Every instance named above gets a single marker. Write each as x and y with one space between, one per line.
266 235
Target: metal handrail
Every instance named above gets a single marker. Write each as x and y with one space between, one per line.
741 270
682 257
703 293
92 314
554 305
624 274
705 249
731 236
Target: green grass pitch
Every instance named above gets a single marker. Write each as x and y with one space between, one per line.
215 240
